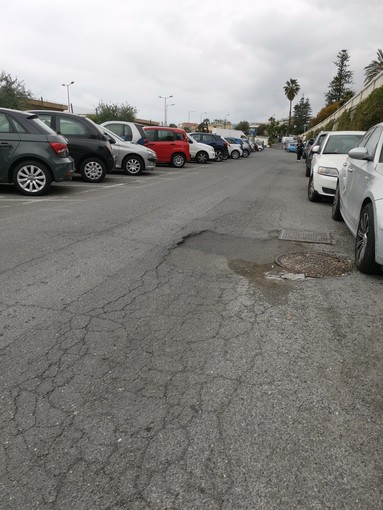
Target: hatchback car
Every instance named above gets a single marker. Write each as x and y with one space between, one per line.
87 144
358 199
291 147
200 152
170 144
235 148
328 160
132 158
128 131
31 154
217 142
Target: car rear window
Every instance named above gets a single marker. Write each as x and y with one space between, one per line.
43 127
140 129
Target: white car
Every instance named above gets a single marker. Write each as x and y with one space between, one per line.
127 131
359 199
327 160
130 157
200 152
235 149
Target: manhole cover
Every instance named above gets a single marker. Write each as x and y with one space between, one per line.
314 265
305 236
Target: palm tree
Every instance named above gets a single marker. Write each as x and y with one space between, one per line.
374 68
291 90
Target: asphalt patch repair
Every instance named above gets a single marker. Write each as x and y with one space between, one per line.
256 259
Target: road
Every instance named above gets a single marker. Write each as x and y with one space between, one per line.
148 361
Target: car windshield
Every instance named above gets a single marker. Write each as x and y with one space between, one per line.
341 144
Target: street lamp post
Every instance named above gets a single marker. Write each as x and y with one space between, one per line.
165 108
67 85
191 111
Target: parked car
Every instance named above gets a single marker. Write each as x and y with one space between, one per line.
328 160
128 131
235 148
291 147
32 155
216 141
200 152
131 157
170 144
309 153
286 140
358 199
245 145
88 146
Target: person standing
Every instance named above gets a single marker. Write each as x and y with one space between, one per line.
299 149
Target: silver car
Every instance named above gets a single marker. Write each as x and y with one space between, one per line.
359 199
130 157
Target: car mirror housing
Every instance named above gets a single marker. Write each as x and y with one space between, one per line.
315 149
359 153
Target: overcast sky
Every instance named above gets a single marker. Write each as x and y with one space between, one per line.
226 58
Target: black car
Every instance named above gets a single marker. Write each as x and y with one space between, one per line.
217 142
88 146
31 154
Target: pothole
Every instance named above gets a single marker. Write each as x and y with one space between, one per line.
315 265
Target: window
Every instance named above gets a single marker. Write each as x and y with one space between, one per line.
208 139
179 136
5 126
164 135
118 129
197 137
71 127
47 119
150 134
127 136
372 141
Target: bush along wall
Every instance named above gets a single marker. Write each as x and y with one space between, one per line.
365 115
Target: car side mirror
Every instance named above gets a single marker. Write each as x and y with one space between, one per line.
190 141
315 149
111 140
359 153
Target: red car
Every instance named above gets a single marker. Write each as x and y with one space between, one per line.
170 144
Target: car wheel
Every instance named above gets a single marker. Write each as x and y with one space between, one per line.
313 195
178 160
202 157
218 155
235 154
32 178
93 170
133 165
245 153
365 242
335 212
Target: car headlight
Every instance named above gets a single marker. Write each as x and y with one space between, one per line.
325 170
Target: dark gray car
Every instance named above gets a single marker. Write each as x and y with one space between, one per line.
31 154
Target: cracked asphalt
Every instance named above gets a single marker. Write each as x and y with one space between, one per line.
142 366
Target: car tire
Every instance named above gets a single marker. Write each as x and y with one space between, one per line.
133 165
178 160
202 157
245 153
32 178
335 211
313 195
365 242
93 170
235 154
219 155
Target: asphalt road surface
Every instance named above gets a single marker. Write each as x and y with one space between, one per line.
154 356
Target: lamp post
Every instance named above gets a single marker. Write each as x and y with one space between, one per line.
165 109
67 85
191 111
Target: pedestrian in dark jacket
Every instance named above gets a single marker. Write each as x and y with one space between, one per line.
299 149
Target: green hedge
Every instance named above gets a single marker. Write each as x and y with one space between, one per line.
365 115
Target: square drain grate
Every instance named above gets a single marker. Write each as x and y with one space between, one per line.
305 236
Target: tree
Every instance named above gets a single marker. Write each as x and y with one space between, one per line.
112 111
374 68
302 115
338 91
291 89
13 93
243 126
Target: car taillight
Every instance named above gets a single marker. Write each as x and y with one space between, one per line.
61 149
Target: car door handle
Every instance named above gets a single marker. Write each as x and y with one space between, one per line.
349 169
